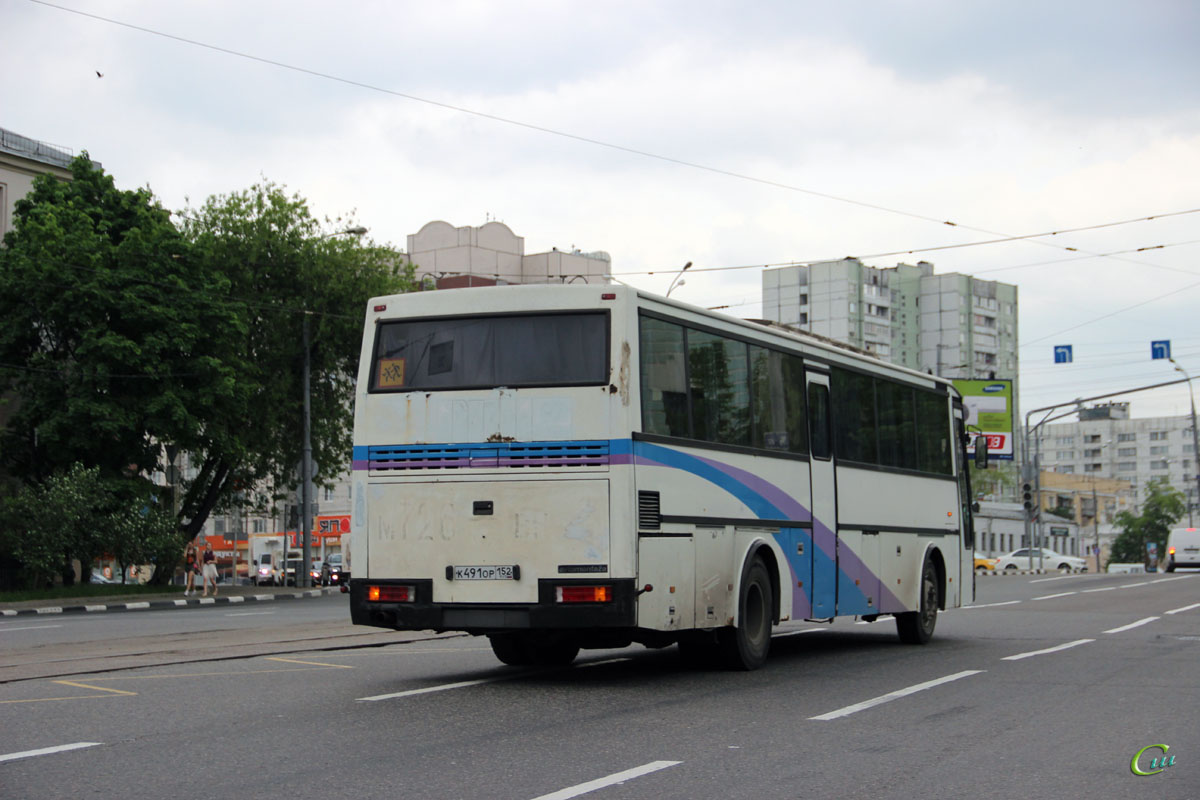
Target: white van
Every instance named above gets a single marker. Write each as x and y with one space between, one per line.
1183 548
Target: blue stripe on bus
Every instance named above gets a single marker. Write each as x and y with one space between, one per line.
764 499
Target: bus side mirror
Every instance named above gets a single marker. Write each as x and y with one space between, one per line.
981 452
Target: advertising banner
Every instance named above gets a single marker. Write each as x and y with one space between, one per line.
990 412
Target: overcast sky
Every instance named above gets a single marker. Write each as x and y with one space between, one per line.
809 130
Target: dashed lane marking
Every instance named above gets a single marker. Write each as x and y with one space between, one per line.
1137 624
890 696
608 780
1054 649
45 751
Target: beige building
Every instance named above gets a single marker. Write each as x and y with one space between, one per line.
21 160
492 254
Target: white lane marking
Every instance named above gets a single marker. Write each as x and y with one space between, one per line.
600 783
993 605
1132 625
249 613
40 627
1185 608
1052 596
1133 585
1059 578
1104 589
48 750
463 684
440 688
1176 578
1054 649
796 633
887 698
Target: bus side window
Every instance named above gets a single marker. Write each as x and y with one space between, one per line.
818 420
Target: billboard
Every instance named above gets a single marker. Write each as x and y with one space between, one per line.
989 407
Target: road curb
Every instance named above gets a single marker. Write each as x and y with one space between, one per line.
1033 572
176 603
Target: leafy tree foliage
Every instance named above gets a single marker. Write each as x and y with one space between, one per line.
997 482
103 332
1163 507
282 269
122 335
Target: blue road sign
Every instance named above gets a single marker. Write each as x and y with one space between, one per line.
1160 349
1062 354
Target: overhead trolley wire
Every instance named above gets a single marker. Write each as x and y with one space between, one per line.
1035 238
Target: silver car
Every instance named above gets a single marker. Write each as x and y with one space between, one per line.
1043 558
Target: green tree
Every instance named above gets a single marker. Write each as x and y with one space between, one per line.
1164 505
283 267
121 334
997 482
103 329
138 536
47 525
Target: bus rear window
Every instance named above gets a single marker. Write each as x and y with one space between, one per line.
511 350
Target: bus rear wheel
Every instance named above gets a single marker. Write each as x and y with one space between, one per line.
746 645
916 627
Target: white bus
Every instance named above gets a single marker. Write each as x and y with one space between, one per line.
566 467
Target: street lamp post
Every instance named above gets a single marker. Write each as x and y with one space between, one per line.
678 282
306 477
1195 438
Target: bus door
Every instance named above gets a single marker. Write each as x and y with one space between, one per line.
824 497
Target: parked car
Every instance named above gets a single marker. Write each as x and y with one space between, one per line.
1183 548
983 564
1046 559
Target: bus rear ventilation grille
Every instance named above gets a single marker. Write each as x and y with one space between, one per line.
649 517
554 455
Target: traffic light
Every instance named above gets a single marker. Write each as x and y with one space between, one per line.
1027 496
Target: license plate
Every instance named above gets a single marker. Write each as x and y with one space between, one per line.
484 573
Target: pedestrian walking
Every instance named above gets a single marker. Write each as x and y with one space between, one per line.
210 569
191 567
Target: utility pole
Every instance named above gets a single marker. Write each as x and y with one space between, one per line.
1195 439
306 471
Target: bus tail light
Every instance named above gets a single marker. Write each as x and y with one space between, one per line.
583 594
391 594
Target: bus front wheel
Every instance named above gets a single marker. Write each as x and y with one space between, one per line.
916 627
746 645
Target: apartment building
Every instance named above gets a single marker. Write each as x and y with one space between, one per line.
1107 443
951 325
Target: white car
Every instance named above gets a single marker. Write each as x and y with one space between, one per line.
1045 559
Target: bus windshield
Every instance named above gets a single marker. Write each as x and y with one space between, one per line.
485 352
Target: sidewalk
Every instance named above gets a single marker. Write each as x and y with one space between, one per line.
142 602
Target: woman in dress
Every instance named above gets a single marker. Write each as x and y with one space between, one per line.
210 570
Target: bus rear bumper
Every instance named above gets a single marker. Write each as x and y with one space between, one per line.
480 618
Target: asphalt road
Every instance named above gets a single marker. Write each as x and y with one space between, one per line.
1047 687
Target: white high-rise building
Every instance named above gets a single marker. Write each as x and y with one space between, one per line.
952 325
1106 443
